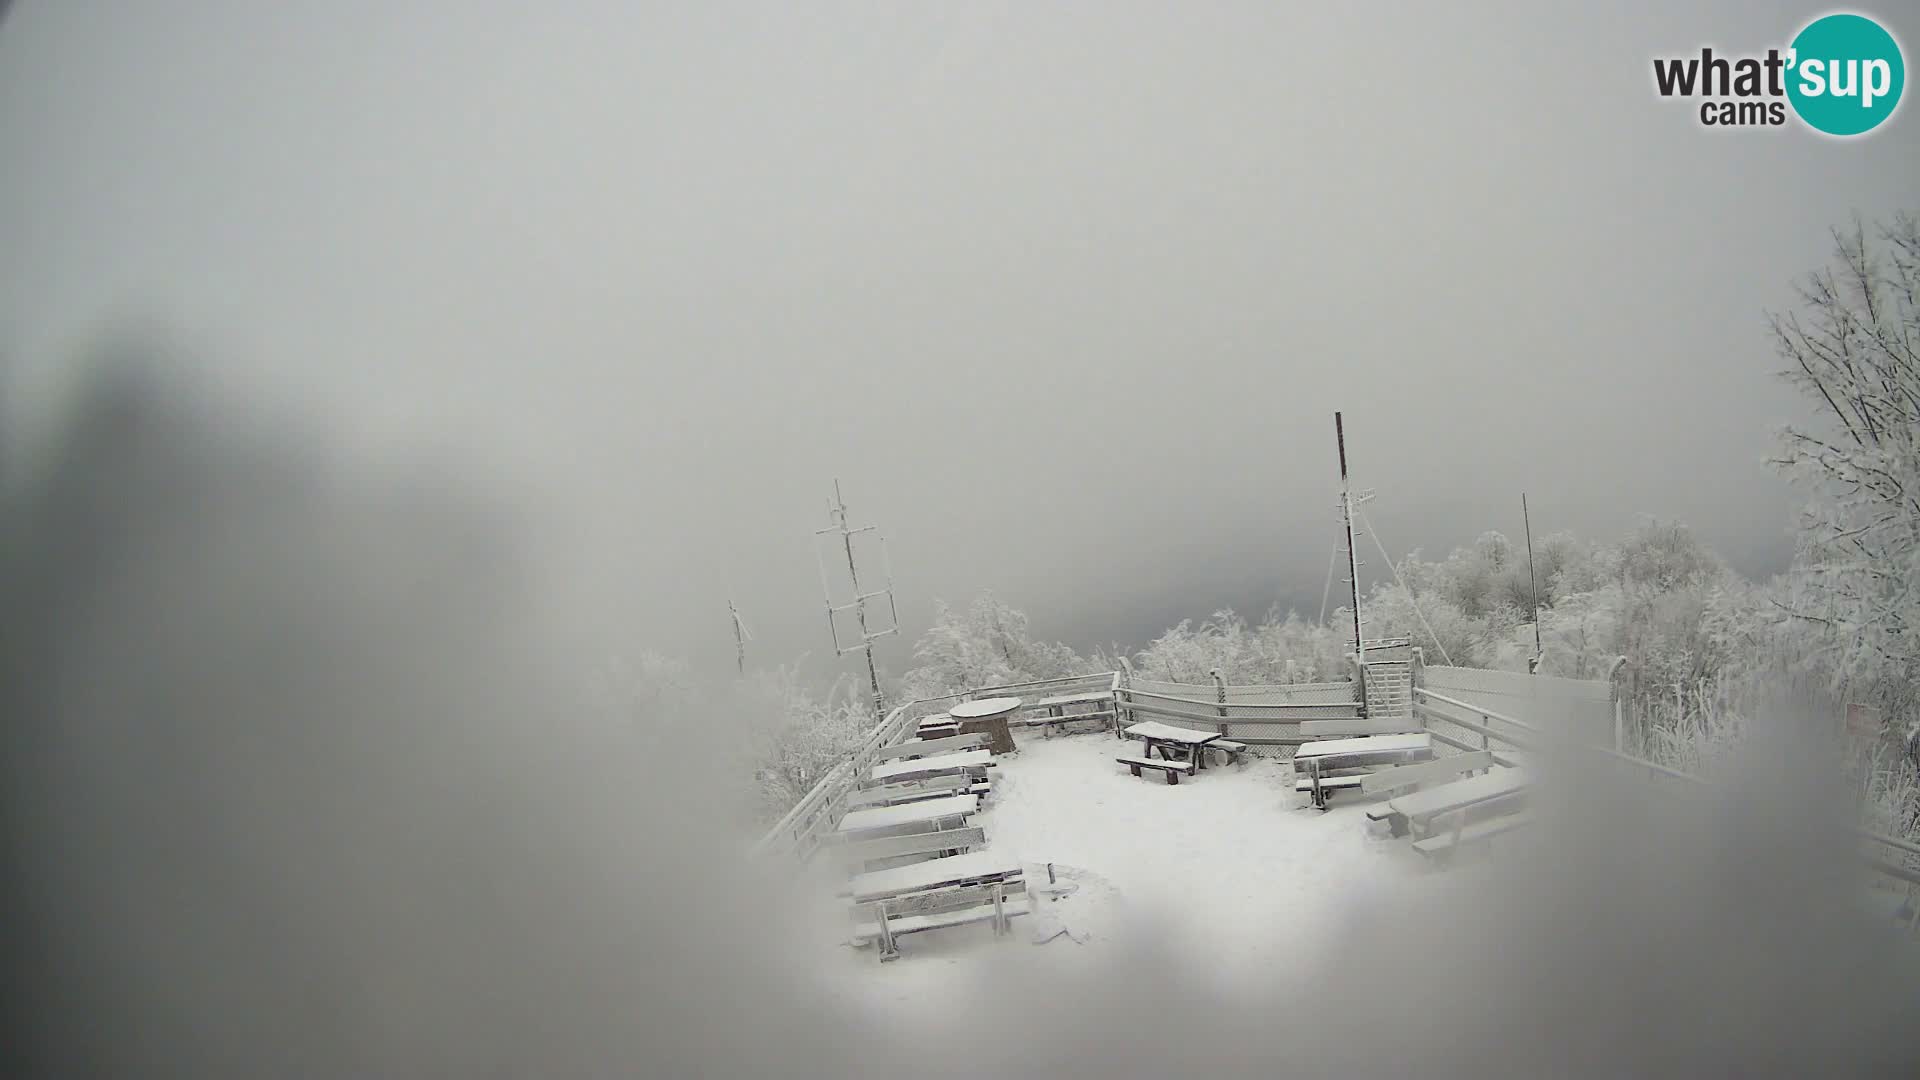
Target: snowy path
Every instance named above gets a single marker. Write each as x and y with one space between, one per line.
1226 861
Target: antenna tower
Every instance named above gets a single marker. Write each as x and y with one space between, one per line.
837 515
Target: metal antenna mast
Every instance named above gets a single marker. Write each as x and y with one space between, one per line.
837 513
1346 515
1533 586
1333 558
741 635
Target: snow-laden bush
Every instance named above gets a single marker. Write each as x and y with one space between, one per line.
800 737
1278 651
988 644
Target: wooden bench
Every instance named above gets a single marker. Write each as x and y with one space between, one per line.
1173 769
974 762
958 782
1477 796
1228 749
859 854
1321 781
906 819
890 919
919 748
1439 770
1445 842
1047 724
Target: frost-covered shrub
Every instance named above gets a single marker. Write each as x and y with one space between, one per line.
1278 651
800 737
988 644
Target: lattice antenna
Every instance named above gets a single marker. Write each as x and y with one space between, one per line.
838 527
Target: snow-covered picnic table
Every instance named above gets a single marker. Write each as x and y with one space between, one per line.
929 811
1154 733
894 771
974 868
989 715
1376 749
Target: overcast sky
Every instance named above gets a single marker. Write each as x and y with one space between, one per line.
1065 295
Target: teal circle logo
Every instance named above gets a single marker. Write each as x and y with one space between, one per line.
1845 74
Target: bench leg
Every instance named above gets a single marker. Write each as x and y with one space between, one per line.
1172 777
888 951
1135 768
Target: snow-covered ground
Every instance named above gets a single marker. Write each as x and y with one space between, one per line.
1228 863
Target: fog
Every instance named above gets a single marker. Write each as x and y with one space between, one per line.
300 782
1064 295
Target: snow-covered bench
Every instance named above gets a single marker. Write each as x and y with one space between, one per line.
1174 770
931 787
919 748
1228 749
974 763
859 855
1439 770
1470 805
1047 724
1453 832
1056 712
889 919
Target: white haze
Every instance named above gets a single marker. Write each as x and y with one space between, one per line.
1065 295
300 783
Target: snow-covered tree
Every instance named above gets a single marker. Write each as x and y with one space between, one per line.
1853 349
1278 651
800 737
988 644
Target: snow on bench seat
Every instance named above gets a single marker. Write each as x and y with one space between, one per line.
936 787
907 924
1172 769
923 748
900 770
1364 745
1072 699
1158 763
1447 840
857 854
1423 805
992 901
973 867
1070 718
882 817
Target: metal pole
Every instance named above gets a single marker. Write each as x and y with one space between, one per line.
739 639
1533 585
1333 559
1346 512
859 601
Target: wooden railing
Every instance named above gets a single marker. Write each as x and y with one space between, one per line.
1259 724
802 829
